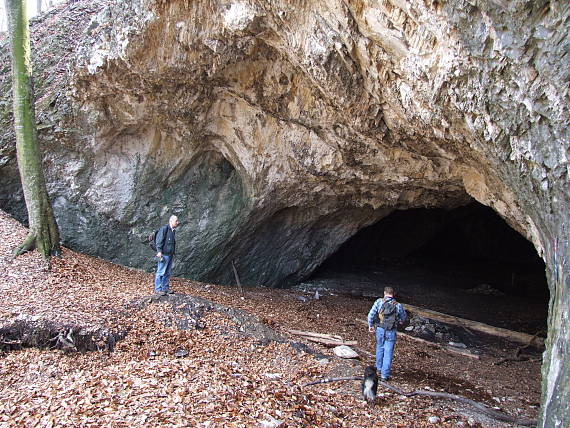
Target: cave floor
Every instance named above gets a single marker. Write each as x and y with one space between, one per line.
227 378
462 291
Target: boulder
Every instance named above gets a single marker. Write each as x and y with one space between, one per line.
344 351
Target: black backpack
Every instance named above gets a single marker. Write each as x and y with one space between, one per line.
152 240
388 314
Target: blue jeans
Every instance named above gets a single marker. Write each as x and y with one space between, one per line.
385 342
163 271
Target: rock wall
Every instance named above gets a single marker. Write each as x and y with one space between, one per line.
277 129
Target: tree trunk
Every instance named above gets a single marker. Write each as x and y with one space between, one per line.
39 6
2 18
43 233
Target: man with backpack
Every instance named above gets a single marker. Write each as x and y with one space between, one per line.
383 319
165 243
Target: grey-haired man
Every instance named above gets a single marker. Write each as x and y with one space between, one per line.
166 248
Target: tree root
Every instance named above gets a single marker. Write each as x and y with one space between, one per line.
333 379
43 334
500 416
518 355
518 358
28 245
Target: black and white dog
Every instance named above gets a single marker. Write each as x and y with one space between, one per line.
370 384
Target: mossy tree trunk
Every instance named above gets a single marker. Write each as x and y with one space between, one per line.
43 234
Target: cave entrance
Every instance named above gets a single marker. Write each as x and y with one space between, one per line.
465 262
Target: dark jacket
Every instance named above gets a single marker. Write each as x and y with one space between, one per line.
166 240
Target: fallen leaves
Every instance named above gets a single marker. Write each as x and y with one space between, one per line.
224 377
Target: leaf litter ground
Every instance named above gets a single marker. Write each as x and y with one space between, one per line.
226 378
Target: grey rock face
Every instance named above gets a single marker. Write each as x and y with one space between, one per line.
276 130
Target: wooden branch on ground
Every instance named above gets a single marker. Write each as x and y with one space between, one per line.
419 339
500 416
522 357
478 326
237 277
463 352
333 379
518 356
313 334
324 339
331 343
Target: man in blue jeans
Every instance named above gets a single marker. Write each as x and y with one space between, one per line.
166 248
383 319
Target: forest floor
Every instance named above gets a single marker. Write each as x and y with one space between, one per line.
182 361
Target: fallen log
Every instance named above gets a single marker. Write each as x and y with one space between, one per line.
10 342
463 352
477 326
313 334
451 349
328 342
324 339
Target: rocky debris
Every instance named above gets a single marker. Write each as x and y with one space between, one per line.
433 331
485 289
434 420
181 353
188 311
271 422
346 352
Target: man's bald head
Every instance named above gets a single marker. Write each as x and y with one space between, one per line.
173 222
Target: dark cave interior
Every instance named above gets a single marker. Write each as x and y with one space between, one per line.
466 262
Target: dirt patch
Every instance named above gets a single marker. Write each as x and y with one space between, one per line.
187 312
50 335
